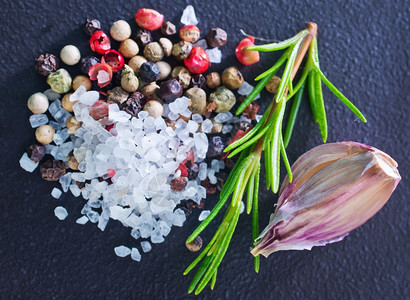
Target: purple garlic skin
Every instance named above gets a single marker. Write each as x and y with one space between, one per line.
336 188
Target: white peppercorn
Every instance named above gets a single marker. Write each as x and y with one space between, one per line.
223 99
213 80
136 62
232 78
70 55
120 30
59 81
198 100
273 85
150 91
153 52
154 108
66 103
82 80
166 45
38 103
129 48
45 134
164 68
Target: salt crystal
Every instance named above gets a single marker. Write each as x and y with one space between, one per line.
119 213
201 43
102 222
188 16
215 55
94 203
179 105
179 217
223 117
212 178
54 107
244 119
173 116
245 89
242 207
27 164
215 165
75 190
201 144
51 95
160 124
227 128
122 251
221 164
202 171
135 254
135 234
206 126
77 94
192 126
93 216
38 120
164 228
153 155
60 212
258 117
55 125
89 98
203 215
142 114
56 193
197 118
146 246
82 220
145 230
156 236
103 76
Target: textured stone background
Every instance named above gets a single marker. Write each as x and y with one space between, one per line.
363 47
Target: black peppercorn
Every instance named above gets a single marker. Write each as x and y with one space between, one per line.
149 72
193 170
198 81
52 170
210 188
36 152
87 62
143 37
170 90
216 146
186 206
216 37
91 26
46 63
168 28
134 104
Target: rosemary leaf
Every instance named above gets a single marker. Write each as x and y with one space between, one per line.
213 281
198 275
255 217
320 105
275 67
285 160
281 45
312 96
292 115
301 82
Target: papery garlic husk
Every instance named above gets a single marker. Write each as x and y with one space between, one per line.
336 188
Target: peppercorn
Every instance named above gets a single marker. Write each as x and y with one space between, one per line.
102 73
216 37
99 110
66 103
198 80
189 33
251 110
134 104
154 108
192 169
170 123
114 59
195 245
197 61
198 100
232 78
221 179
37 103
70 55
72 161
182 75
72 125
100 42
165 69
149 19
91 26
150 91
153 52
45 134
46 63
273 85
143 37
181 50
223 98
242 125
87 62
245 56
149 72
216 127
129 81
120 30
178 184
129 48
52 170
216 146
117 95
186 206
59 81
136 62
167 28
209 187
170 90
213 80
166 45
81 80
36 152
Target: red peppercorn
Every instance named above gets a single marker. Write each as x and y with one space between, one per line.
197 61
189 33
183 169
114 59
245 56
110 173
99 110
149 19
101 72
100 42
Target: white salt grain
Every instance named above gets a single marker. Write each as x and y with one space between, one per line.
203 215
188 16
60 212
56 193
38 120
51 95
215 56
27 164
146 246
82 220
122 251
135 254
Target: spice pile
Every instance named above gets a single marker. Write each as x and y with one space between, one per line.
141 141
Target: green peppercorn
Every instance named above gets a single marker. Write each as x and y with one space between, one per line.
117 95
129 81
59 81
181 50
153 52
223 99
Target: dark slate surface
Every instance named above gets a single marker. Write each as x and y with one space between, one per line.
363 47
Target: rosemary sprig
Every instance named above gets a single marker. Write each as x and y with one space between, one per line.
266 136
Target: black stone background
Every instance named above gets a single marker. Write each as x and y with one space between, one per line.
363 47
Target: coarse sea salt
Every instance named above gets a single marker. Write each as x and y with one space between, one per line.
188 16
60 212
